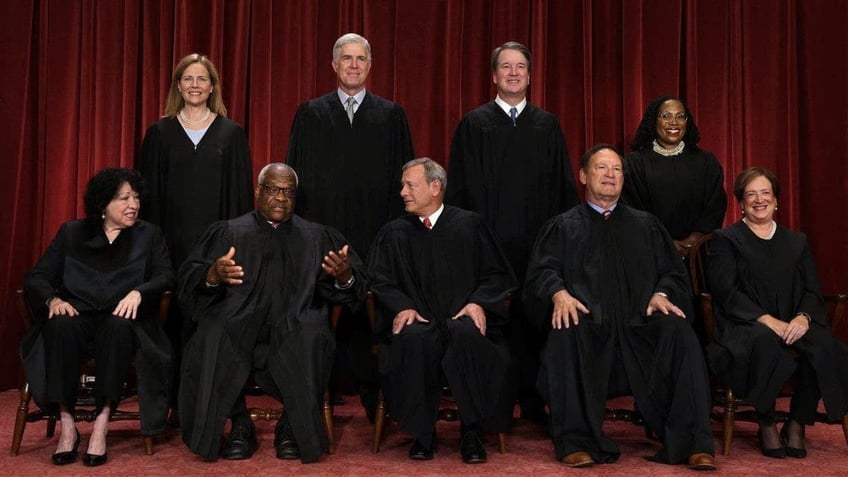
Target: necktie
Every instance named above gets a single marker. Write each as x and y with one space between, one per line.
427 223
513 112
351 102
607 214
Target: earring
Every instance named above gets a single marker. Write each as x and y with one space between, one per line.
743 212
103 216
775 208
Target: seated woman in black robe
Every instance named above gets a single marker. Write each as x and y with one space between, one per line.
669 176
95 293
768 302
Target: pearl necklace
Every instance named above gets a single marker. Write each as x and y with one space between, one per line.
202 120
669 152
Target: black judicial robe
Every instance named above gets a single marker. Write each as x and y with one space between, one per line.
349 174
686 191
613 267
190 188
285 288
82 268
750 277
437 272
516 177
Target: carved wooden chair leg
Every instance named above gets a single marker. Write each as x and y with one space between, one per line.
21 419
148 445
379 422
727 425
845 427
328 422
502 442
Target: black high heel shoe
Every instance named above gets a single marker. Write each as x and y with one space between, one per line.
776 453
91 460
67 457
793 451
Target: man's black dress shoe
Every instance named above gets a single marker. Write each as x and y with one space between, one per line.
420 452
62 458
91 460
284 441
242 441
471 447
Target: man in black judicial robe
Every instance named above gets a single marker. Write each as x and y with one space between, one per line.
516 173
613 276
349 159
259 288
441 280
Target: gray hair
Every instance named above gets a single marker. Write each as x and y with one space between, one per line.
433 171
350 38
278 167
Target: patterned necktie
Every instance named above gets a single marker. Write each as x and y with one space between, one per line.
607 214
427 223
351 102
513 112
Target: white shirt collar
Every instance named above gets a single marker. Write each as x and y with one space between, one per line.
434 216
506 106
359 97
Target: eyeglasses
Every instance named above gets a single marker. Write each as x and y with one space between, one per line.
273 191
668 117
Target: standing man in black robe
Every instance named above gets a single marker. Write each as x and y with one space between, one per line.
348 147
440 280
260 287
509 163
611 283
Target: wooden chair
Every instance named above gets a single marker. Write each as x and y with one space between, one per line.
274 414
85 399
723 396
449 414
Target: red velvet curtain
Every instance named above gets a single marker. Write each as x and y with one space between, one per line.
82 80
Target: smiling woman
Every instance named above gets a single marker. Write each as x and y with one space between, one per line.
95 293
669 176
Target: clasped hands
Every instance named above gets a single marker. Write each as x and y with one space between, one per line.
410 316
788 332
226 270
567 309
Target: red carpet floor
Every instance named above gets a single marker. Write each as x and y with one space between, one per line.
529 452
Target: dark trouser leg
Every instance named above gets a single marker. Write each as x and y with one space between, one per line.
65 343
475 368
114 348
525 344
410 366
573 380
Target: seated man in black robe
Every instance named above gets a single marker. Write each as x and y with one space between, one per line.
440 280
259 288
609 285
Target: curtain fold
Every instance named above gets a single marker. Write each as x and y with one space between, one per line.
765 80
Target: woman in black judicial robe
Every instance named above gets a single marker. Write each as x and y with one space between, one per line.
95 292
768 302
669 176
196 164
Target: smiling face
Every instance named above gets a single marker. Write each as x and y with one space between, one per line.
122 211
603 178
277 207
758 201
671 131
195 85
511 75
352 66
419 197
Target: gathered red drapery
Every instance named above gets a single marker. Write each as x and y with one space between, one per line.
765 80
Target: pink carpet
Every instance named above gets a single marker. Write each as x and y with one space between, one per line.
529 452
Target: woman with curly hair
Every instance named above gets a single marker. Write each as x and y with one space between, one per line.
95 293
668 175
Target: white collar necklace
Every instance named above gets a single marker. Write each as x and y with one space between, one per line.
669 152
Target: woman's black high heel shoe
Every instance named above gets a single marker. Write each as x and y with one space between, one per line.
776 453
62 458
793 451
